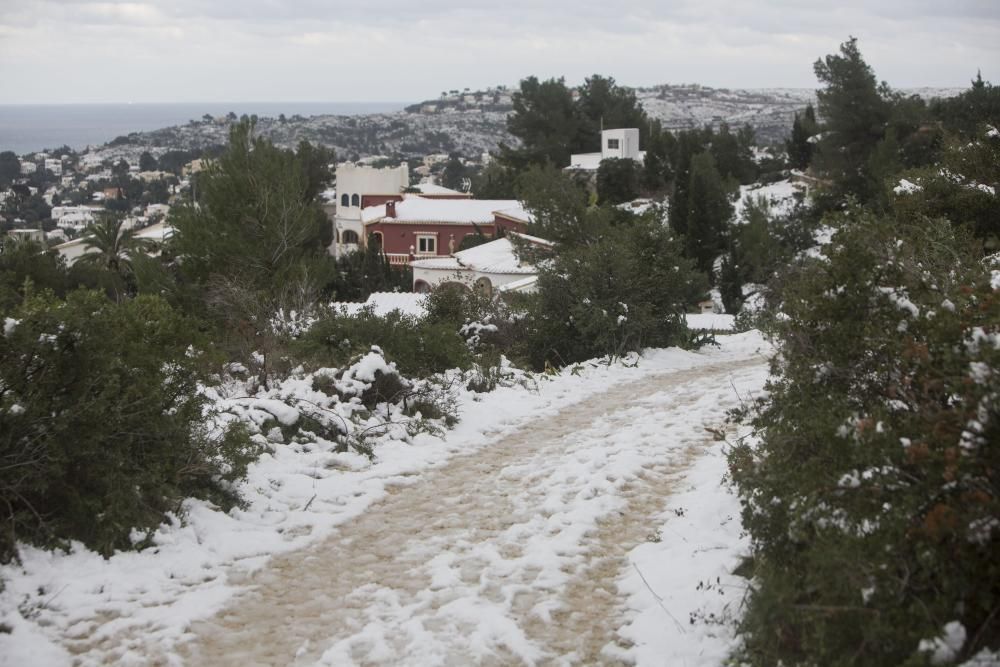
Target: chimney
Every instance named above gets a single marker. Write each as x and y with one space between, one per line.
390 209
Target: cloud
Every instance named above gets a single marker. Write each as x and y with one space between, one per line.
183 50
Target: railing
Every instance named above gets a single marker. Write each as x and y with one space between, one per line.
398 258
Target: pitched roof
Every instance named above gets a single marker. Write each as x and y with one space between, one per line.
493 257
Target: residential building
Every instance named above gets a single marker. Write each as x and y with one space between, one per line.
359 186
418 226
490 268
622 144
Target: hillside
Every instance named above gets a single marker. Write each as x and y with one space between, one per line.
471 123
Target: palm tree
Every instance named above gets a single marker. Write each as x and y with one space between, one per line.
111 247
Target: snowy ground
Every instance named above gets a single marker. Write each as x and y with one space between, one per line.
780 196
581 521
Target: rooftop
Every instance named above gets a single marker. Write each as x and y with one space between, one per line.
477 211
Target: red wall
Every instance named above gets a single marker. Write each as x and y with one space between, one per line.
378 200
398 237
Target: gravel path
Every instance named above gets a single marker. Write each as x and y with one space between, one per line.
506 556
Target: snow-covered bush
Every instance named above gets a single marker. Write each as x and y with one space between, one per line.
102 425
418 347
873 495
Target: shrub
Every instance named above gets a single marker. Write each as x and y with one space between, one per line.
419 348
627 291
873 496
101 423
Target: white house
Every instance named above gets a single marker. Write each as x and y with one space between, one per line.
490 268
355 182
622 144
54 165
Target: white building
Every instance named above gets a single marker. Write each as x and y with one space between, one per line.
489 268
622 144
28 235
74 217
54 165
28 168
354 183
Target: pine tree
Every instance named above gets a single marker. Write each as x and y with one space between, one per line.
855 111
799 148
709 209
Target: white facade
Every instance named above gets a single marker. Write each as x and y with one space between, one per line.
54 165
622 144
353 183
490 268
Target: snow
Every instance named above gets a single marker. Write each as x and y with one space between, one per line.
716 321
383 303
945 648
9 324
138 607
458 211
905 187
780 197
496 256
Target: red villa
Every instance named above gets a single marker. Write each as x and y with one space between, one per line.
419 226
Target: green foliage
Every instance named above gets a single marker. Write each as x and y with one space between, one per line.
495 181
25 263
962 188
546 120
419 348
10 168
708 214
855 112
454 173
625 291
618 181
147 162
873 494
799 148
101 423
964 113
558 204
256 215
552 125
359 274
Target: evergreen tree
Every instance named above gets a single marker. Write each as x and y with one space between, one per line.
708 212
618 181
546 121
256 215
799 146
855 112
147 162
604 104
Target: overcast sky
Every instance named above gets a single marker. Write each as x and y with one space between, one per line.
54 51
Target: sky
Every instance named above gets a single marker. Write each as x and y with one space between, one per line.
76 51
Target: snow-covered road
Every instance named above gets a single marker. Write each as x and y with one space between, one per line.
510 555
584 522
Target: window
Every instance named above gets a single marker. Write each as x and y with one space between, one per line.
345 200
348 236
355 200
612 144
426 245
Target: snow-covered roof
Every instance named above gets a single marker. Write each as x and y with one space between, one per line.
493 257
383 303
457 211
519 285
435 189
589 161
158 232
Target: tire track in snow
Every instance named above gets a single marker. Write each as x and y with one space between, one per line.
505 556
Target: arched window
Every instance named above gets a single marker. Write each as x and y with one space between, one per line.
421 287
349 236
355 200
375 240
345 201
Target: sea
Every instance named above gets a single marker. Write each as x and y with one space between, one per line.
27 128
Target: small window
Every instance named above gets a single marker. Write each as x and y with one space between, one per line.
345 201
348 236
355 200
612 144
426 245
